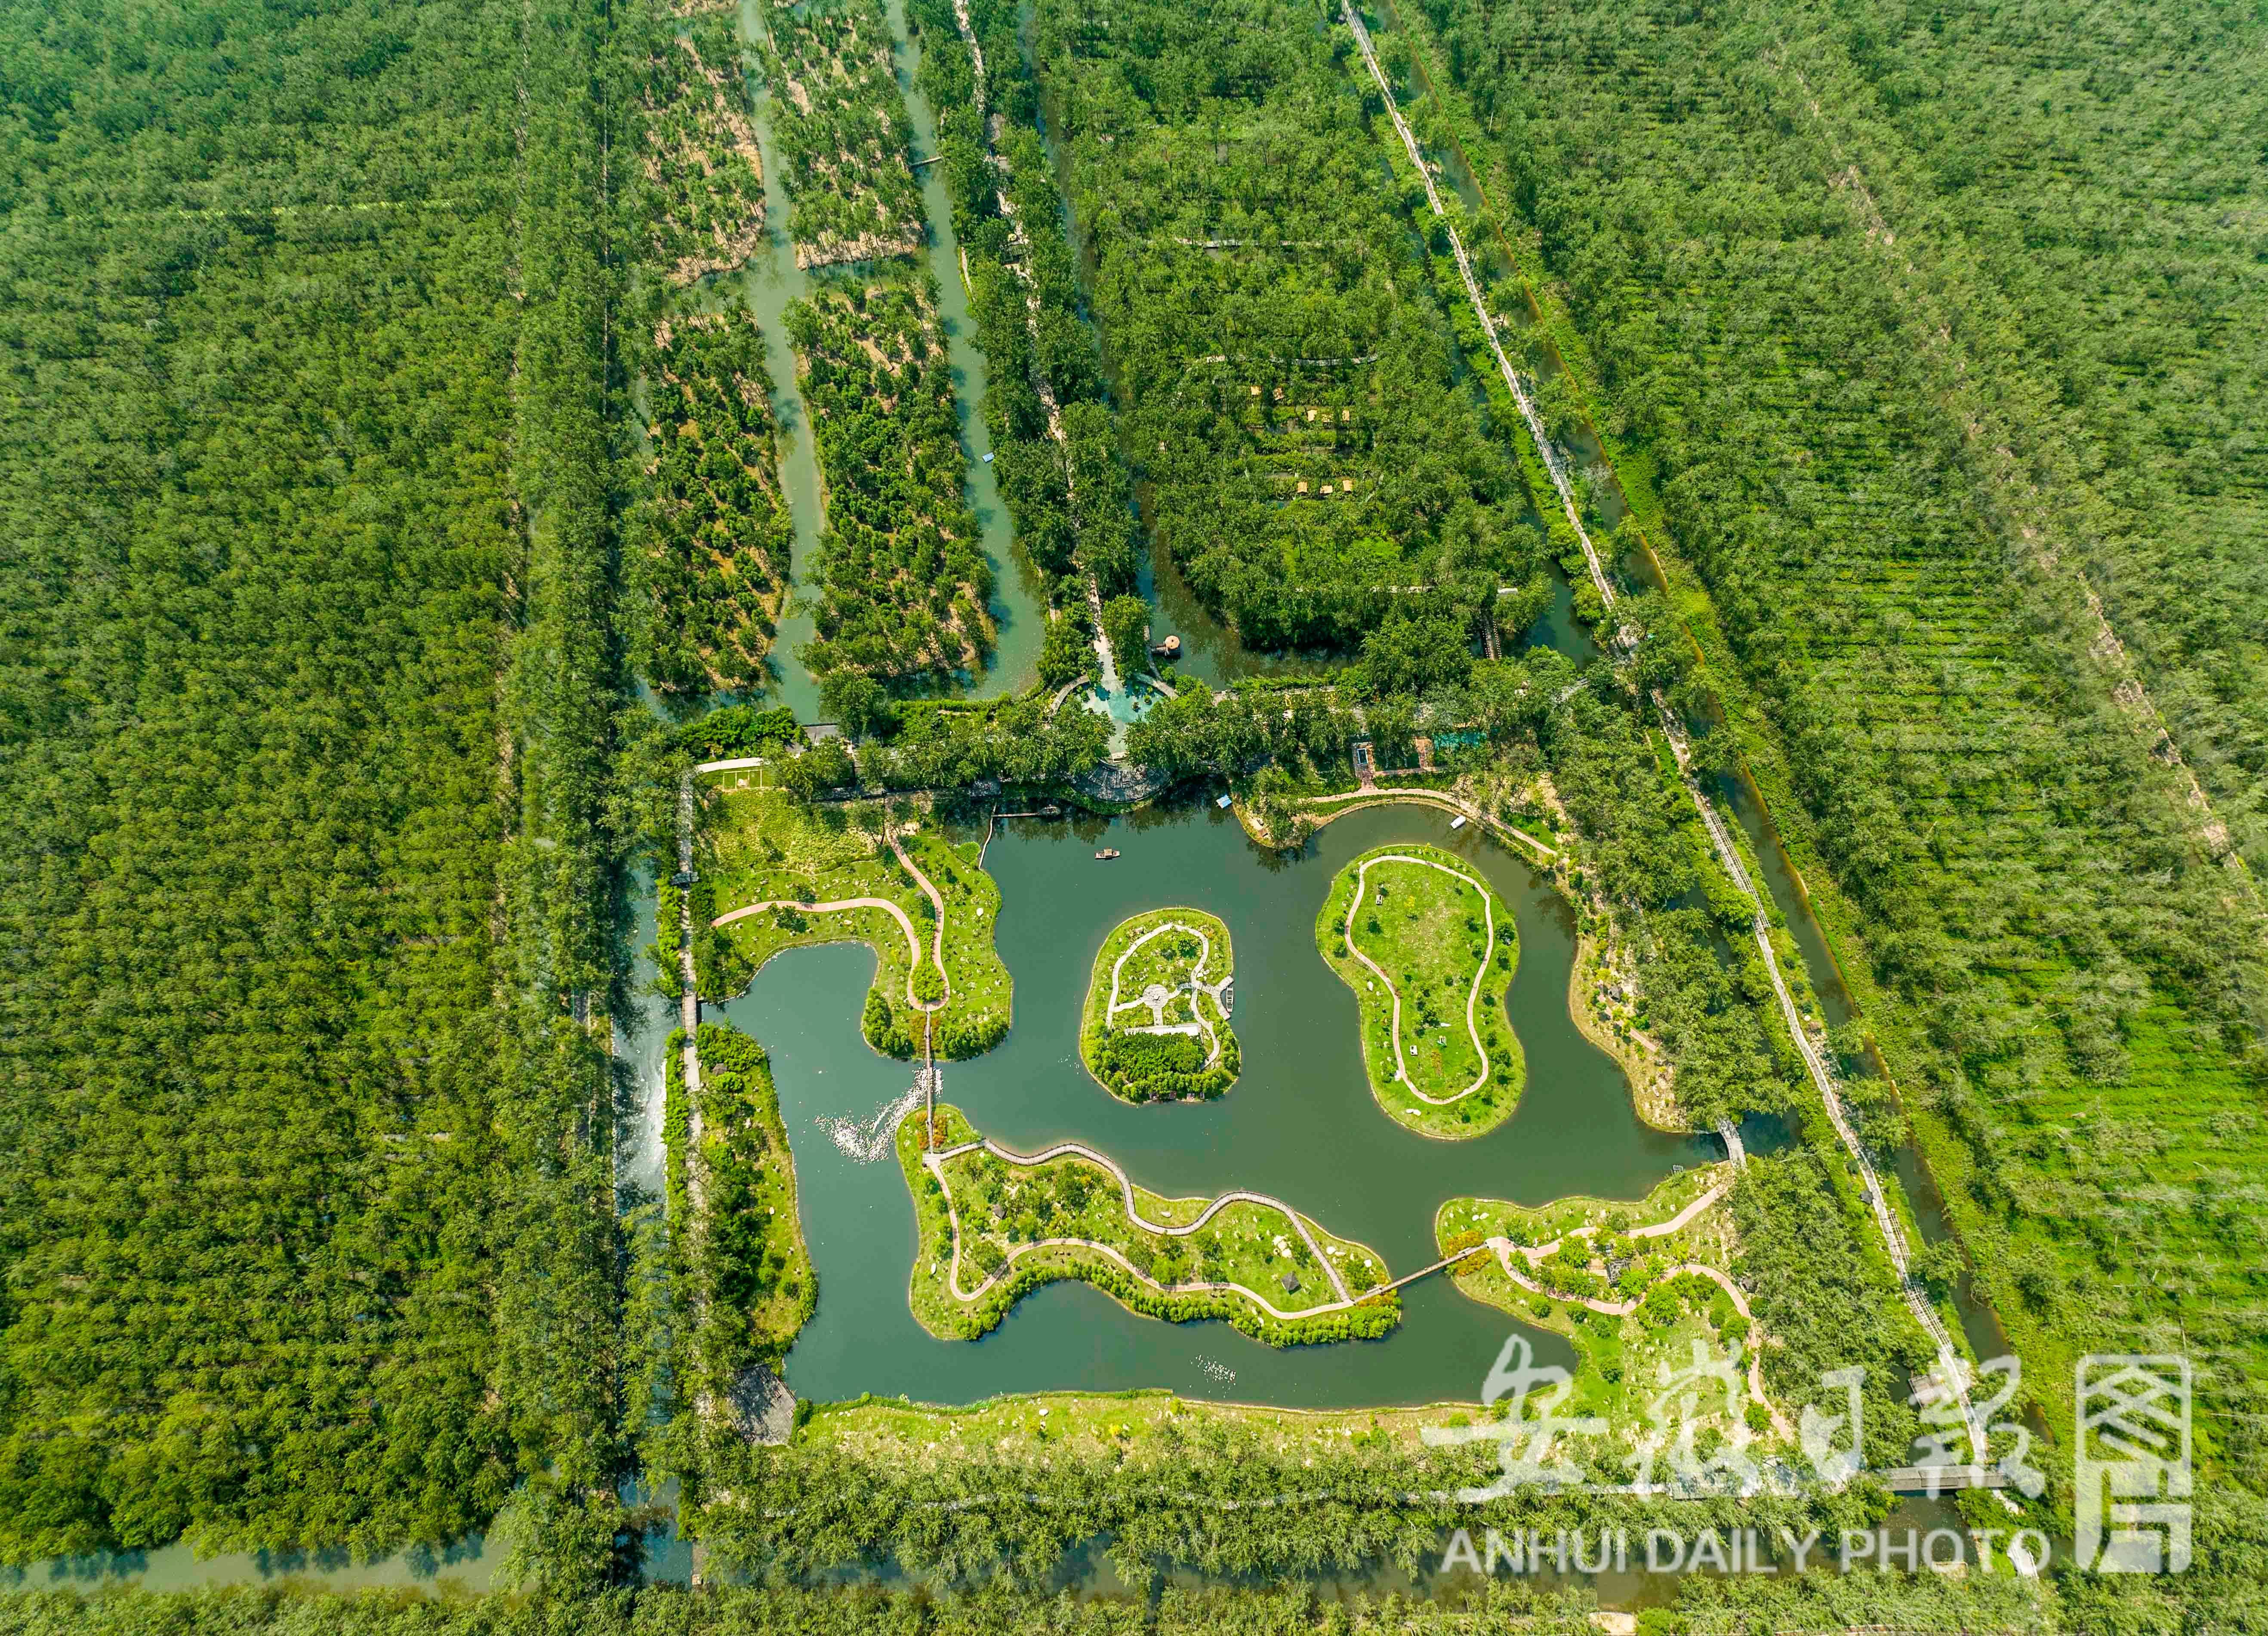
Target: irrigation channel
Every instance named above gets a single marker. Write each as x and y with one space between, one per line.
770 285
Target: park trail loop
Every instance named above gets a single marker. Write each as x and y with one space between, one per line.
1472 995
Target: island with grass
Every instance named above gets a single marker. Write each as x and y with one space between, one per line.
1643 1288
1429 949
775 874
1158 1003
995 1224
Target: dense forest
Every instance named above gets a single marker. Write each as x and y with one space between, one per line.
841 127
377 410
1288 391
307 740
904 587
1884 312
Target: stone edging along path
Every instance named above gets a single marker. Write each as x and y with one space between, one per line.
905 924
933 1161
1472 996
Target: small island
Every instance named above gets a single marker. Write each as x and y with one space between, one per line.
996 1225
1642 1288
1157 1004
1429 949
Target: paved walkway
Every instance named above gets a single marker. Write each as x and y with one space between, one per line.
1821 1077
1112 1005
1385 793
1533 1255
935 1161
835 906
1472 998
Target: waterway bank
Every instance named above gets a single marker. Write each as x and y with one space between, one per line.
1019 608
772 282
1300 1123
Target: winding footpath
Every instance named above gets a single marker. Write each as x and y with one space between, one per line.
1392 794
934 1160
1533 1255
905 924
1472 996
1823 1076
1114 1005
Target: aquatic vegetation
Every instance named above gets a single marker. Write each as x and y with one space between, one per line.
1429 949
1155 1024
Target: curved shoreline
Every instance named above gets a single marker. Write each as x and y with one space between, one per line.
837 905
933 1162
1100 1005
1532 1256
1396 1092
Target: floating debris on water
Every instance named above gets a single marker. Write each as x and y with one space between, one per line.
1218 1373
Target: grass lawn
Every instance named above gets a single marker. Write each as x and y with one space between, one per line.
1415 924
1180 957
1075 1424
1598 1257
1004 1209
761 845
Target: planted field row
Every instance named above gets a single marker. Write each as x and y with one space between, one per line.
704 204
843 138
1320 270
1764 350
714 540
904 587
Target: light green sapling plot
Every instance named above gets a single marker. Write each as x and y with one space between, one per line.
1156 1025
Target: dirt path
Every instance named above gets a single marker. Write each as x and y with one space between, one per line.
1822 1078
1552 463
2021 494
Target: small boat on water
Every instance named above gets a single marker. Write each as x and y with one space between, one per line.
1456 822
1106 855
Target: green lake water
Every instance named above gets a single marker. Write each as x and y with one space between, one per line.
1300 1123
772 282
